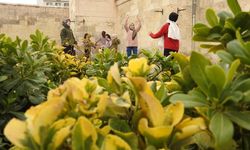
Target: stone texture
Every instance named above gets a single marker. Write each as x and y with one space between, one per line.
22 20
98 15
108 15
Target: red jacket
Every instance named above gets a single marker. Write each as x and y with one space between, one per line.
168 42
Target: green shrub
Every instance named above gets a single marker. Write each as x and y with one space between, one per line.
221 91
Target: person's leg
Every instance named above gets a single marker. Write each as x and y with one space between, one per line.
135 50
73 53
129 51
166 52
66 49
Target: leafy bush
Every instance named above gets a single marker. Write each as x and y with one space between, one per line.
164 68
220 92
228 33
22 75
27 71
84 114
102 62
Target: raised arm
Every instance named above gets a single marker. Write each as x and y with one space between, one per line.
126 24
160 33
139 24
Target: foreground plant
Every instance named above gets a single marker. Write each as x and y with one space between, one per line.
220 92
81 114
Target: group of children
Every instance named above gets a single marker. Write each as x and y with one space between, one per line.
87 45
169 32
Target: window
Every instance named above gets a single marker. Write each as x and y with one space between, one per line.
49 4
66 4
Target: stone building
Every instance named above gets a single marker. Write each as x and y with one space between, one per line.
23 20
109 15
54 3
94 16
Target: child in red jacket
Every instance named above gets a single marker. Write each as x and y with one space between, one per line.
171 33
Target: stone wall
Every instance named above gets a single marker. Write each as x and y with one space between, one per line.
217 5
152 20
22 20
109 15
92 16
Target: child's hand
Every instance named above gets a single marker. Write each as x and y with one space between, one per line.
127 17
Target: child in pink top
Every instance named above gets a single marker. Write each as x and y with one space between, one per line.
132 31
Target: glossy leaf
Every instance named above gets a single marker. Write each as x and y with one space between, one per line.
225 56
122 129
175 112
3 78
240 118
222 129
84 135
148 102
219 80
234 6
12 128
157 135
232 70
211 17
113 142
198 64
193 99
161 93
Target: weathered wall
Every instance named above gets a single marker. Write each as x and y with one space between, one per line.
108 15
152 21
98 15
217 5
22 20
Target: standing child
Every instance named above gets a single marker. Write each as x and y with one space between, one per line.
101 42
88 45
115 43
108 41
132 36
171 33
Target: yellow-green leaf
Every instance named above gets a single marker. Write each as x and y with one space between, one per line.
157 135
232 70
113 142
15 131
150 105
84 135
175 112
211 17
114 72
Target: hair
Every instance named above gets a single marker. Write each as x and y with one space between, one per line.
86 35
64 23
103 34
108 36
173 16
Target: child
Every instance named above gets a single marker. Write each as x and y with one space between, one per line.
171 33
102 40
108 41
88 45
115 43
132 39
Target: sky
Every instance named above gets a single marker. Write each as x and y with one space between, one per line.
19 1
